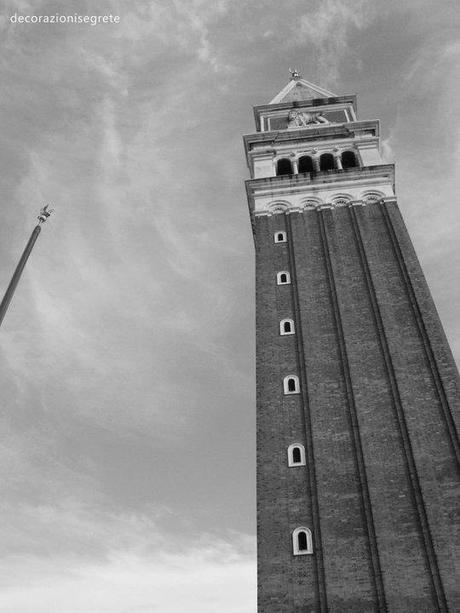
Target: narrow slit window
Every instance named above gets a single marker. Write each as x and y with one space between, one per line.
302 542
303 545
286 327
296 455
280 237
283 278
291 384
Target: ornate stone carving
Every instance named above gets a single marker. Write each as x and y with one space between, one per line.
278 206
311 203
370 197
297 119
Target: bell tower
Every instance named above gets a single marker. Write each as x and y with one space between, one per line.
357 390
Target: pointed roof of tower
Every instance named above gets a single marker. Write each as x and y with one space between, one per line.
300 89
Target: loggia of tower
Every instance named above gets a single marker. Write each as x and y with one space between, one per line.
357 389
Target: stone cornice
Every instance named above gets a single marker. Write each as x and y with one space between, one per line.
372 200
322 178
325 132
331 189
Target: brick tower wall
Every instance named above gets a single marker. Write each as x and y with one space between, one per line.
378 388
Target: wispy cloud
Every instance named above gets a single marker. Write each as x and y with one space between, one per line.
126 358
329 28
101 562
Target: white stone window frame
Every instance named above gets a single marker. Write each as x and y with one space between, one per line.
282 330
290 453
286 389
280 240
288 277
295 542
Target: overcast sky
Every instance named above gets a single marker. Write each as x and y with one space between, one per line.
127 355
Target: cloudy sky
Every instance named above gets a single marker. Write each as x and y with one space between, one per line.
127 355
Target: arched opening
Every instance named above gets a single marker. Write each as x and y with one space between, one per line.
306 164
286 326
283 278
291 384
296 455
349 159
280 237
302 540
326 161
284 167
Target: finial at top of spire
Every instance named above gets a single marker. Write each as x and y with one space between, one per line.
44 214
295 74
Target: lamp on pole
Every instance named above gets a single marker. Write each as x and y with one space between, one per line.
44 214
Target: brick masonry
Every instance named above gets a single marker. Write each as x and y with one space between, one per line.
379 388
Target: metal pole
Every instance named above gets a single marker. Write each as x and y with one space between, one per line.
44 214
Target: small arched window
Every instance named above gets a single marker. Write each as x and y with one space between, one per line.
302 542
283 278
286 327
349 159
291 384
284 167
280 237
326 161
296 455
306 164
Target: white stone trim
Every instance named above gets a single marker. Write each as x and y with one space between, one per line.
293 197
322 93
369 196
295 542
277 239
290 454
341 199
278 206
389 200
284 321
286 389
311 203
288 277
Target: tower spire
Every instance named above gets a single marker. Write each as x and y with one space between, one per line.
42 218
